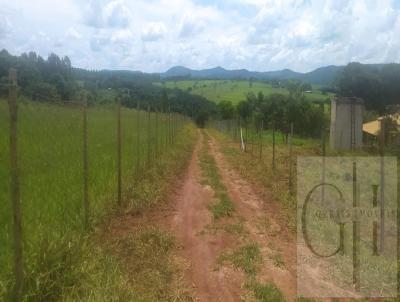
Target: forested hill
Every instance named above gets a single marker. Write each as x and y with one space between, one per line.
320 76
326 76
54 79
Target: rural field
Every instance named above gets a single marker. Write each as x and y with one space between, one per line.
50 149
236 90
199 151
198 217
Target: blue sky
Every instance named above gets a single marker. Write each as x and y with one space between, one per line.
154 35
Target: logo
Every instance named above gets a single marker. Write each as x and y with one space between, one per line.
347 227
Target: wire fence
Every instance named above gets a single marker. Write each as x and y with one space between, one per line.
63 166
265 143
279 150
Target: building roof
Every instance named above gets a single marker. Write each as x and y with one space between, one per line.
374 127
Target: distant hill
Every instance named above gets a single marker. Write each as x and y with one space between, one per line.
322 76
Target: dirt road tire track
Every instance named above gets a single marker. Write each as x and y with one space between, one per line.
272 241
202 249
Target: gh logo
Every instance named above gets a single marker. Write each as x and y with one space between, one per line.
354 222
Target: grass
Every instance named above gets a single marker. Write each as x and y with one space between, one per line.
275 184
260 171
267 292
147 257
237 227
51 180
233 90
246 258
223 206
277 259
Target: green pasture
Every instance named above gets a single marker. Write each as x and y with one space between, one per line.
50 149
234 90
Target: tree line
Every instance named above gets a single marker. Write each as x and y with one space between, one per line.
278 111
55 80
377 85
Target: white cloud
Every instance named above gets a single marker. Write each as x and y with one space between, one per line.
153 35
114 13
5 27
190 25
153 31
73 33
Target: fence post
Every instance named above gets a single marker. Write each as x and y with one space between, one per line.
169 125
15 192
246 136
173 127
119 153
323 142
323 146
261 143
382 144
85 161
148 135
156 133
252 136
290 159
273 148
137 138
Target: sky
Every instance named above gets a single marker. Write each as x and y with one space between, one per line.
154 35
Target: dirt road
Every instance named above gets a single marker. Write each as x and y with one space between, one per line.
192 218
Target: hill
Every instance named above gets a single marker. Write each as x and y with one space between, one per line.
321 76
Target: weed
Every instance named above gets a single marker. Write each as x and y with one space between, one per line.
277 259
267 292
223 207
236 228
247 258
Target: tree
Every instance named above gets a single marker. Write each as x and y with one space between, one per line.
226 110
243 109
357 80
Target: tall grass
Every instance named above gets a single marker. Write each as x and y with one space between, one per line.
50 143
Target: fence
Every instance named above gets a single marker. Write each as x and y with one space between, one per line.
63 166
262 141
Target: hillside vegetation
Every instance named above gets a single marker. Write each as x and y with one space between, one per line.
236 90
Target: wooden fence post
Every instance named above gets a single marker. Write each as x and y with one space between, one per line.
323 172
119 153
164 119
246 136
148 136
85 161
290 159
273 148
15 190
137 138
261 137
382 144
252 137
169 125
156 133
